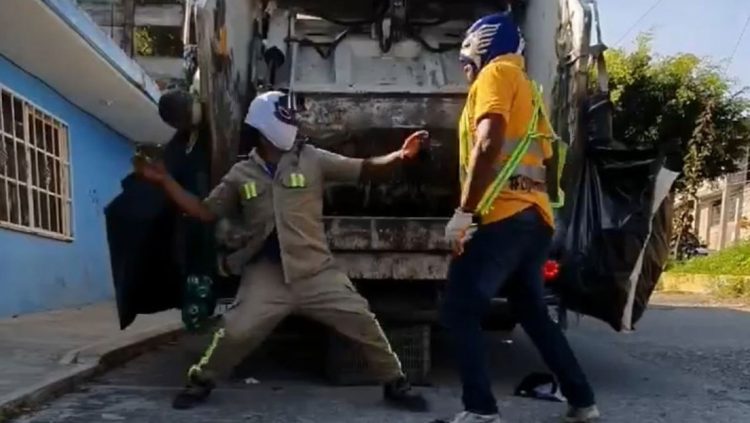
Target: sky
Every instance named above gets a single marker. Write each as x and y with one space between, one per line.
706 28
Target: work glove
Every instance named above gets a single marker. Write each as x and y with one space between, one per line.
152 170
459 230
413 144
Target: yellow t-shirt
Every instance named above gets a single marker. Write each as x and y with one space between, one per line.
503 88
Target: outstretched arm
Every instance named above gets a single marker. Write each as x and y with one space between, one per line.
381 167
155 172
187 202
338 168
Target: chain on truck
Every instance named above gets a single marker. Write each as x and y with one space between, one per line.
362 74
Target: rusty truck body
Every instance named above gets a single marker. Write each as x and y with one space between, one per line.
362 74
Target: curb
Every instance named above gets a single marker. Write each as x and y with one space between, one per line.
61 382
128 345
80 365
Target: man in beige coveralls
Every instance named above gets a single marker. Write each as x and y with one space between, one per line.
275 198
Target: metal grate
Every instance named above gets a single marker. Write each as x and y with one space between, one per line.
35 193
345 363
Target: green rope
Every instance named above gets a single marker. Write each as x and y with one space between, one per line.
197 369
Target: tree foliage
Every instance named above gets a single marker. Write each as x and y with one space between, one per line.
158 41
680 97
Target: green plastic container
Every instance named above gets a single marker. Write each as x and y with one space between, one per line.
198 304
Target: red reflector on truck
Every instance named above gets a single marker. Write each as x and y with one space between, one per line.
551 270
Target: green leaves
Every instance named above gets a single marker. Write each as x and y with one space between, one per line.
681 97
658 99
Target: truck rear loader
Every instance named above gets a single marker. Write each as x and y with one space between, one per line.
361 75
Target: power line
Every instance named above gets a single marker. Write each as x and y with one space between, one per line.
739 41
639 20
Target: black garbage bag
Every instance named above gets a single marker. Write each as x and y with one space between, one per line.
153 248
541 386
614 237
146 277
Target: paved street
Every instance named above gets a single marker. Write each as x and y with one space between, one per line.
681 365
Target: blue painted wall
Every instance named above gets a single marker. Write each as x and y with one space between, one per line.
42 274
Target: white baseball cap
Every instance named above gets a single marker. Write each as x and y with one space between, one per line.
269 113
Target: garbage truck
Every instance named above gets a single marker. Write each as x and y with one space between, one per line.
360 75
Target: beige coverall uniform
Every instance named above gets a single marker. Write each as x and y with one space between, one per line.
307 281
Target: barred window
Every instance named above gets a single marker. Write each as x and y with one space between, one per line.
35 193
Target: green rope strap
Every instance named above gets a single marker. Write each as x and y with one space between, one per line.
197 369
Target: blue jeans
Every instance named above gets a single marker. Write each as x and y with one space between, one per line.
507 255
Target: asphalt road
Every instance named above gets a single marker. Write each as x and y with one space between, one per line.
681 365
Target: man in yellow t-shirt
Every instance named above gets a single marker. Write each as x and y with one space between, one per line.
502 231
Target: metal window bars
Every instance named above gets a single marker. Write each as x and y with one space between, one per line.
35 191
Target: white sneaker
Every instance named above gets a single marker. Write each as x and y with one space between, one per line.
582 415
467 417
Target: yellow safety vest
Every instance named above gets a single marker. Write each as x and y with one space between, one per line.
514 151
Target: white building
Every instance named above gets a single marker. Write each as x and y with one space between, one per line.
722 213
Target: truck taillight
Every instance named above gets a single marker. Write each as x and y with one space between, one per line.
551 270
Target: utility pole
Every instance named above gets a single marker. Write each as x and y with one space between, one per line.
128 27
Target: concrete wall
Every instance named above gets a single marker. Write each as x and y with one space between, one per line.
41 274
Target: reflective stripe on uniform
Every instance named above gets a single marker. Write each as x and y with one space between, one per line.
197 369
250 190
535 173
297 180
535 148
301 180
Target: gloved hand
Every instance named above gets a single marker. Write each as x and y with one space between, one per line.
459 230
152 170
413 144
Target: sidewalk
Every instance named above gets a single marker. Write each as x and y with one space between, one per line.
46 354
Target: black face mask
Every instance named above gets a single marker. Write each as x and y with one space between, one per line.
176 109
